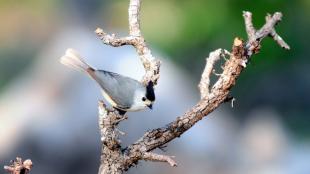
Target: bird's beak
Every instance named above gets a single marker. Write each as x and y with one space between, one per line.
150 106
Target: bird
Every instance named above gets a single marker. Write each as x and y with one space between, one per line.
122 92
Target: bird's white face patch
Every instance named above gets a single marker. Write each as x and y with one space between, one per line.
138 103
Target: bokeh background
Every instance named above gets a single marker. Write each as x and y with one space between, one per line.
49 113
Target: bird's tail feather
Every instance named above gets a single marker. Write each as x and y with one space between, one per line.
73 60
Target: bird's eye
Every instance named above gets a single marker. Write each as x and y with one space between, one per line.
143 98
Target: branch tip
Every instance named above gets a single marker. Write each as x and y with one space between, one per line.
160 158
99 31
255 37
204 85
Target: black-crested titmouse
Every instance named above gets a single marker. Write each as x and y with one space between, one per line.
123 93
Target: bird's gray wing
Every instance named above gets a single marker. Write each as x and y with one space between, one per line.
120 88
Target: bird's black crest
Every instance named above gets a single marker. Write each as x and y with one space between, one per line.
150 95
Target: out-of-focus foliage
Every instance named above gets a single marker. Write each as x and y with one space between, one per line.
25 26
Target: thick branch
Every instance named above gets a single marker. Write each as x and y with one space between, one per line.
111 145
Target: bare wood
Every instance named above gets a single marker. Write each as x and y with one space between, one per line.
219 92
134 18
276 37
250 30
158 137
253 44
111 145
112 40
149 156
135 38
112 160
19 166
116 160
204 85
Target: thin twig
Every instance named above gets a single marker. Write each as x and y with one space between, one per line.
149 156
204 85
277 37
253 43
250 30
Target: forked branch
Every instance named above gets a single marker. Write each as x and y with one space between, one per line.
135 38
114 159
255 37
211 97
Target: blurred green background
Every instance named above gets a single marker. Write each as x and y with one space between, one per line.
185 32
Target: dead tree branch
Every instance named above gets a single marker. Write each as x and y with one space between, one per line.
135 38
19 166
149 156
211 98
114 159
255 37
204 85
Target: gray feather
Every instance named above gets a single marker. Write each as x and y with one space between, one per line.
120 88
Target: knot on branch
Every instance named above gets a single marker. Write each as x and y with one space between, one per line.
19 166
238 48
238 52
